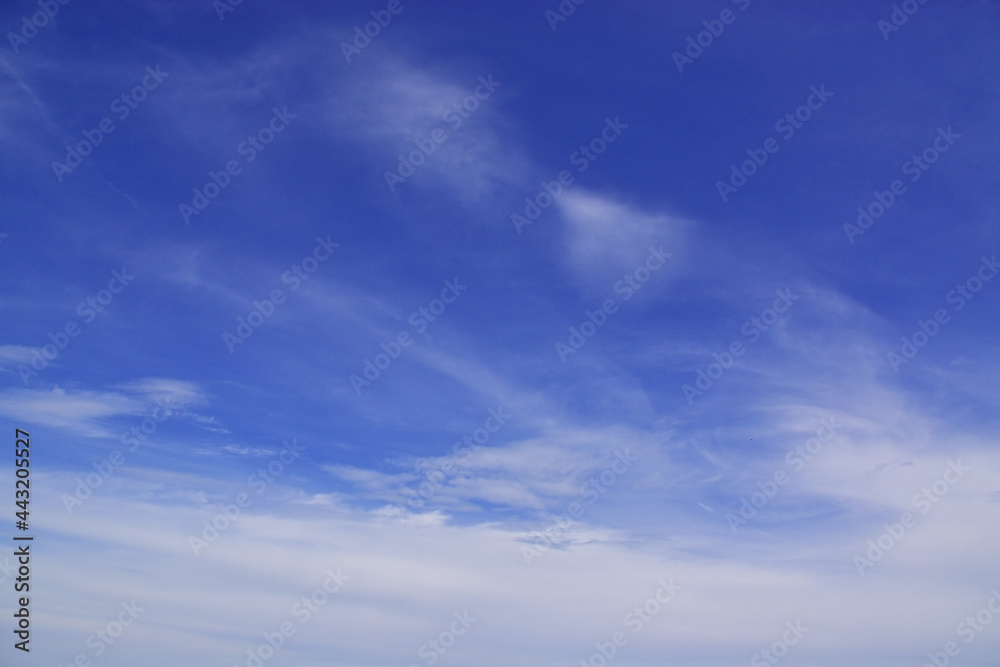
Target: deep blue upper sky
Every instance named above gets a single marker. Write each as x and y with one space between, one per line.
309 135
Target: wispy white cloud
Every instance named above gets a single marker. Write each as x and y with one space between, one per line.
406 579
14 355
391 103
606 238
84 412
93 413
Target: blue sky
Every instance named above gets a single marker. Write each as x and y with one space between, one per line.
521 313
